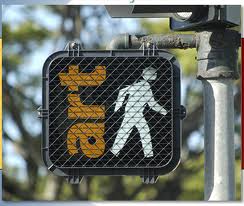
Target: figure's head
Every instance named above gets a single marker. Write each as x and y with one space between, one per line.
149 74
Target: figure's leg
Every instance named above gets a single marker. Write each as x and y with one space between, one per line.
122 135
146 139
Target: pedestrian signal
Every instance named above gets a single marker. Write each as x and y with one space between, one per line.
111 113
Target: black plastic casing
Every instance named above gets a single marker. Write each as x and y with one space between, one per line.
178 114
209 17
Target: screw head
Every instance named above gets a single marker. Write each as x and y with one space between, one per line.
74 45
148 45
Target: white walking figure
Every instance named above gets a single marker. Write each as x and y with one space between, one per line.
139 95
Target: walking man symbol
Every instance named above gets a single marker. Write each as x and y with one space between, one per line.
140 95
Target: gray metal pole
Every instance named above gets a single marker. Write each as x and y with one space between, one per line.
166 41
219 140
217 67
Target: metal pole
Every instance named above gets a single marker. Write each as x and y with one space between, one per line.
166 41
219 140
217 67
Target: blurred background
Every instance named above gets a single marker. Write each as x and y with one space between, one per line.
30 35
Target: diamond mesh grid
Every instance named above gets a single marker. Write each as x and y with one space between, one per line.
110 112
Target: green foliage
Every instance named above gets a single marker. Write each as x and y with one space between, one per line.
192 185
21 39
188 65
25 33
155 26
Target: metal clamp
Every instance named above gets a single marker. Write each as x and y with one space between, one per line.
42 113
149 177
217 53
148 48
73 48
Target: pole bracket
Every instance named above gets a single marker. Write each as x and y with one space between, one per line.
217 54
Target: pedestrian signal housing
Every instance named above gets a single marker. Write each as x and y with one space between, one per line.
111 113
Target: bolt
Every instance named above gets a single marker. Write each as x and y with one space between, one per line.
148 44
74 45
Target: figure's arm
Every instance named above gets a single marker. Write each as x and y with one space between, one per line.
156 106
120 98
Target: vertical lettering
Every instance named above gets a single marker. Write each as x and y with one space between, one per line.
89 135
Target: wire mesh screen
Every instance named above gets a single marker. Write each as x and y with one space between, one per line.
110 112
